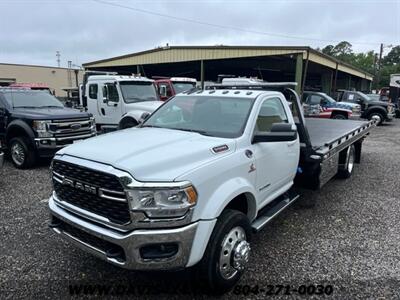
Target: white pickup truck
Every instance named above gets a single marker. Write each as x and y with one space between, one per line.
212 167
118 101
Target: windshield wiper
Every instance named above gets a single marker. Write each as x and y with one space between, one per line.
26 106
202 132
151 126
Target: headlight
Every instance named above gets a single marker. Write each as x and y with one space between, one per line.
163 202
41 128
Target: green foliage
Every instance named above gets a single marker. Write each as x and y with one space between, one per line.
367 61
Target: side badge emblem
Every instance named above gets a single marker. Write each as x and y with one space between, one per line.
252 168
248 153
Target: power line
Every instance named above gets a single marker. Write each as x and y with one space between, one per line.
144 11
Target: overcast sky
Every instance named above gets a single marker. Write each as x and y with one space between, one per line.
31 31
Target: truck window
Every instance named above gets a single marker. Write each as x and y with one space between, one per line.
110 92
314 99
271 111
165 90
93 91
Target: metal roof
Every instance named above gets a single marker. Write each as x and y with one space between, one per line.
173 54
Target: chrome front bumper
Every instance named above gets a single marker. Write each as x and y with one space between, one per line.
58 143
1 159
131 242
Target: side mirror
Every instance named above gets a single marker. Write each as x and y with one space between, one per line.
280 132
2 112
105 100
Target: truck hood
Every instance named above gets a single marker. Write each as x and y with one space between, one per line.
49 113
145 106
151 154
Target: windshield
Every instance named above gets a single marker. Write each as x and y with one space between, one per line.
211 115
183 86
31 99
137 91
364 97
329 99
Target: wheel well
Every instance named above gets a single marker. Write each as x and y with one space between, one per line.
243 203
125 119
377 110
339 112
15 131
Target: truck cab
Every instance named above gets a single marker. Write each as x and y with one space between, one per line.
119 101
370 109
168 87
320 105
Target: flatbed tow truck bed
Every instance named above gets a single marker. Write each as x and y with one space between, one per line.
325 132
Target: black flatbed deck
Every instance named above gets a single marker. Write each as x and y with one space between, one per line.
324 132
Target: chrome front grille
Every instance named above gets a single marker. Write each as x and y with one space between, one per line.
71 127
96 192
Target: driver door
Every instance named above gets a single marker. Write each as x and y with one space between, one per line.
275 162
110 106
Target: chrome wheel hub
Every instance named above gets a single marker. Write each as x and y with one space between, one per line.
376 118
18 154
235 253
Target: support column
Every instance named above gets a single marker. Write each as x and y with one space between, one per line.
202 74
299 72
334 90
137 69
326 82
349 83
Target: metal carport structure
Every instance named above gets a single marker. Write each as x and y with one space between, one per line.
310 68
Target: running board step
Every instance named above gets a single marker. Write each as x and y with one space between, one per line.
271 211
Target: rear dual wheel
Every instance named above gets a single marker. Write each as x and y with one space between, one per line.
347 160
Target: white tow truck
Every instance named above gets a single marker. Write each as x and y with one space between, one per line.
212 167
118 101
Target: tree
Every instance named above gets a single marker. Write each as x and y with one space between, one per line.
392 58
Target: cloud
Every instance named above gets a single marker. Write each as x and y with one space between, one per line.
32 31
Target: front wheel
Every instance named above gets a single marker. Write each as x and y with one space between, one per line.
377 117
227 252
339 117
22 154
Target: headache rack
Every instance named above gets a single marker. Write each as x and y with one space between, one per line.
237 85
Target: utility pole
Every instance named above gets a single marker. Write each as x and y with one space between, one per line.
58 58
69 73
379 65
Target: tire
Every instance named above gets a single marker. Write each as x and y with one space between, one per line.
231 235
127 123
346 162
339 117
22 153
378 116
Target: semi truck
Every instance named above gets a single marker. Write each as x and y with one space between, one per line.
118 101
202 180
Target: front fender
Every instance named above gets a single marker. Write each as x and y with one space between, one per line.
376 109
134 114
20 126
225 193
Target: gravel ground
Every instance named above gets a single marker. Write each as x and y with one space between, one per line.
350 239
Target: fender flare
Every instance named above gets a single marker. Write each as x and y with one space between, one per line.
225 194
19 124
376 108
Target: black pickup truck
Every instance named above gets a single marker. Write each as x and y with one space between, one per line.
35 124
370 109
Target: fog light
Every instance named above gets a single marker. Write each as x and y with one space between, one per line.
155 251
